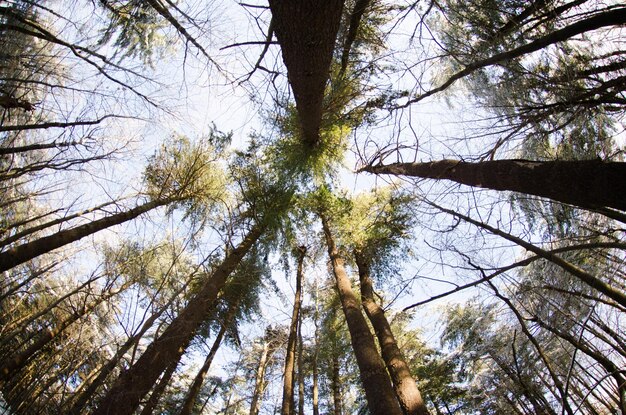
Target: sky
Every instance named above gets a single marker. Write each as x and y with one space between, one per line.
199 96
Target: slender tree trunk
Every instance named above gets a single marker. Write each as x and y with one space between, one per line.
132 385
156 394
336 384
259 384
587 183
315 392
306 31
355 21
603 360
196 386
406 389
19 235
290 358
380 396
22 323
300 370
33 249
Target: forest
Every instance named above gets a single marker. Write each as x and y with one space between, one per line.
385 207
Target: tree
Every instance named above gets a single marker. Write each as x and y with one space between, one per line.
131 386
290 358
183 175
590 184
380 396
240 299
306 33
536 96
270 344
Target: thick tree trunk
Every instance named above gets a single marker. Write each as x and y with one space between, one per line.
33 249
290 358
195 387
80 400
306 31
259 384
149 407
406 389
380 396
586 183
126 393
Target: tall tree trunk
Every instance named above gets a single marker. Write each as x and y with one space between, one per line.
259 384
195 387
19 235
380 396
306 31
315 392
132 385
355 21
406 389
290 358
586 183
22 323
29 250
602 359
156 394
300 370
336 384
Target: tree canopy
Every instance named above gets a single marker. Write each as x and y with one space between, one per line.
306 206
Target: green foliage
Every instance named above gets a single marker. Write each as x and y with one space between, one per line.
135 28
263 193
189 174
159 269
242 290
297 161
560 97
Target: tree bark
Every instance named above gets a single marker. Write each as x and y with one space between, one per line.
406 389
336 384
259 384
300 370
126 393
306 31
33 249
195 387
315 392
380 396
148 408
290 358
585 183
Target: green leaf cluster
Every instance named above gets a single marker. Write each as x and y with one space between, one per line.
189 174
